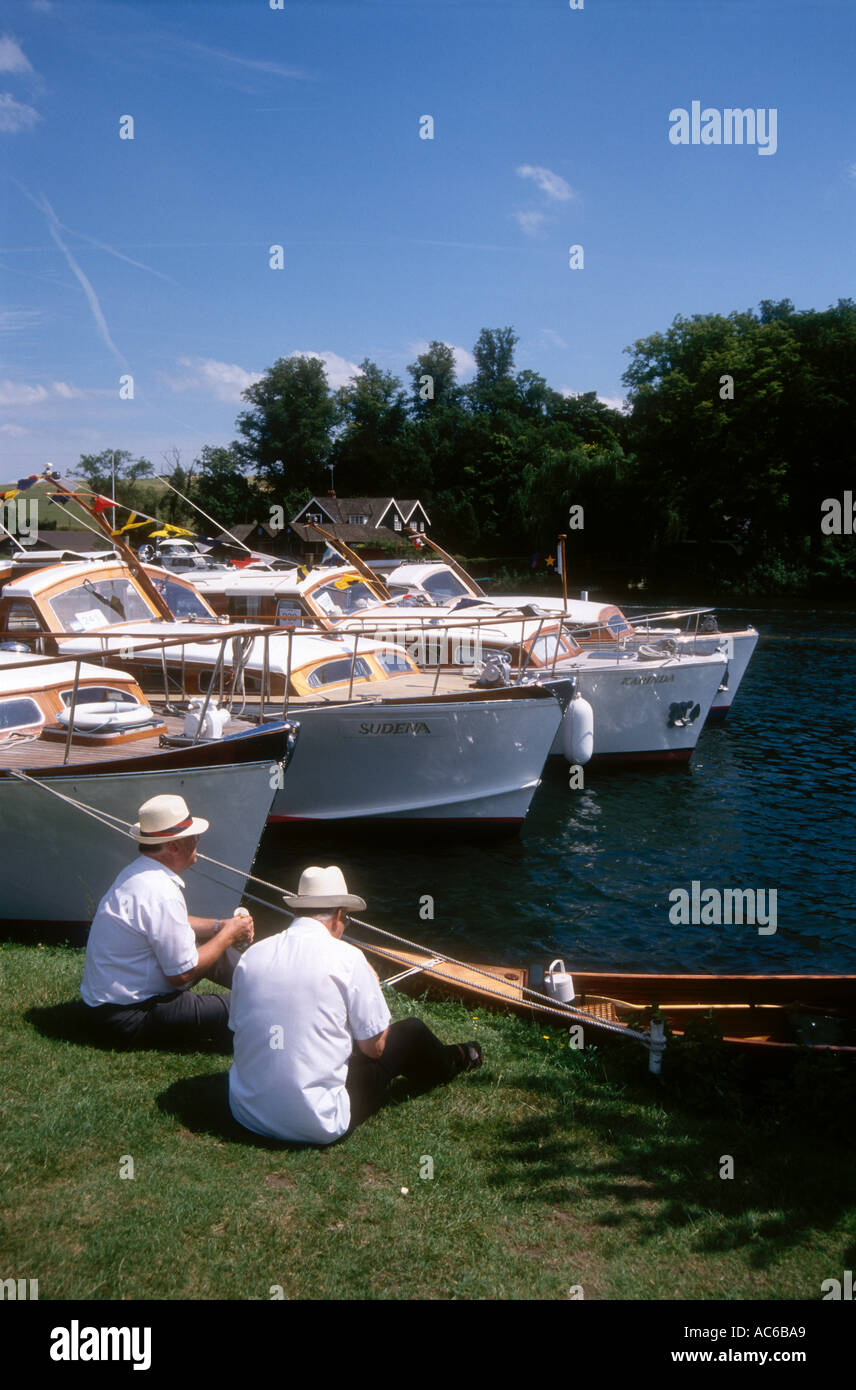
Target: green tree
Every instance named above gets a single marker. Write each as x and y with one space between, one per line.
370 443
286 435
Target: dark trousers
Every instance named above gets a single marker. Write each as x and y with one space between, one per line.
412 1051
177 1019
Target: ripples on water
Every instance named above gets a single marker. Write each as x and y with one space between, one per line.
768 802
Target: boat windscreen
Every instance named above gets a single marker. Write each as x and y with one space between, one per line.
444 587
342 597
99 603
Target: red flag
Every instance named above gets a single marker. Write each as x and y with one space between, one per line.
102 504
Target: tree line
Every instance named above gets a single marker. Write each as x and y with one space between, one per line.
737 428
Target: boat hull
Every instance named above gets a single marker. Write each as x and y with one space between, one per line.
634 708
767 1015
59 862
445 759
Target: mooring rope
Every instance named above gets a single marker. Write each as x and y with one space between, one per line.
567 1011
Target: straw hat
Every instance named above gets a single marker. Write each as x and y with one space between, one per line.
323 888
166 818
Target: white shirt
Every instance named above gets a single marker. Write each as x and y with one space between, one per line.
139 935
300 1000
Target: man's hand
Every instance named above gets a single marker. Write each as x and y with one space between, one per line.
240 927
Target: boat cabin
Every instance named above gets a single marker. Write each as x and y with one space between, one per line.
103 706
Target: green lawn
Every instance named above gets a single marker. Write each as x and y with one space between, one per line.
552 1169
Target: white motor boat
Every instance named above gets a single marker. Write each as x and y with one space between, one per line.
598 626
379 738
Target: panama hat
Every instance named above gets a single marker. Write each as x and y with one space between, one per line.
323 888
166 818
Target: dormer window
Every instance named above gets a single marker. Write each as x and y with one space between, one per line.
358 520
396 522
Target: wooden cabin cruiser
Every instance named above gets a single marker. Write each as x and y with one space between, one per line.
647 705
71 731
596 626
379 738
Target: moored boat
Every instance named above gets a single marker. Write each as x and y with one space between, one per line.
767 1014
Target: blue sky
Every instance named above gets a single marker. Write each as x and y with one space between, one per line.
300 127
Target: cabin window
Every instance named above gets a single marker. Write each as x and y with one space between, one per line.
19 713
96 694
344 596
21 617
335 672
393 662
544 649
99 603
181 601
444 587
396 522
288 612
245 606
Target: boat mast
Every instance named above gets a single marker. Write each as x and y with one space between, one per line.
453 564
130 559
353 558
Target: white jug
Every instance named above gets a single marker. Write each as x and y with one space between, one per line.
559 983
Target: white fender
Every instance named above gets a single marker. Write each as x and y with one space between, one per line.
107 714
578 731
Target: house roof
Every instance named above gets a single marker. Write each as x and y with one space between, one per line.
341 509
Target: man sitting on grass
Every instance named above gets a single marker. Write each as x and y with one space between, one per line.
141 954
315 1051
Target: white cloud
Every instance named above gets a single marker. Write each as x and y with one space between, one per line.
531 222
225 380
15 116
553 338
553 185
339 370
17 393
11 57
14 430
614 402
465 363
851 169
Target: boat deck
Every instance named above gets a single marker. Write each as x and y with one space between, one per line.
31 752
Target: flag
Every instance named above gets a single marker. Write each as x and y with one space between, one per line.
132 525
101 504
559 560
23 483
5 496
418 542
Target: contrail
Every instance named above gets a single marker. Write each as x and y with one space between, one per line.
92 297
120 255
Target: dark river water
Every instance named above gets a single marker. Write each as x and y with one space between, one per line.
767 803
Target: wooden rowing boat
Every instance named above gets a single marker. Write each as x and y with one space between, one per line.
775 1013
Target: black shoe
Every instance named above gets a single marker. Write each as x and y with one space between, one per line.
471 1056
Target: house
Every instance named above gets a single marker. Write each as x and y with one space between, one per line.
370 523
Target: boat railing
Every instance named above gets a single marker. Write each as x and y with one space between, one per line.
226 686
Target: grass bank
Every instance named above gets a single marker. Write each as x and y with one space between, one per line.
552 1168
